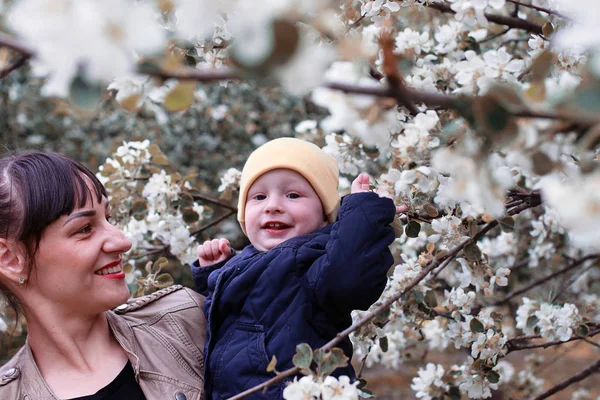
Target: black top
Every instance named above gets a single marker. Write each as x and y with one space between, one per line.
123 387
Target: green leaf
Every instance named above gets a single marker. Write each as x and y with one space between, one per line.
189 215
382 318
412 229
547 29
542 164
181 97
186 200
492 377
398 228
159 265
139 205
384 344
272 364
532 321
148 67
507 224
476 326
583 330
430 299
303 357
419 296
454 393
84 94
333 360
497 317
472 252
362 383
163 281
158 157
431 210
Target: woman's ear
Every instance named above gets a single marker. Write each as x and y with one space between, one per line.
12 260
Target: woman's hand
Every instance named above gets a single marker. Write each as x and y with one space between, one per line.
361 184
213 252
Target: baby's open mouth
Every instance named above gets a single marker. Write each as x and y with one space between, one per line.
275 225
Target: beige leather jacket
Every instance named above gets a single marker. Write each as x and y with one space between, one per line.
163 335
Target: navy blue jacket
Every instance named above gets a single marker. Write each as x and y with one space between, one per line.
261 304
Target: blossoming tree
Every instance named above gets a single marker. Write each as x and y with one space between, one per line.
481 115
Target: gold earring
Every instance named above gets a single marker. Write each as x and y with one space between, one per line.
21 281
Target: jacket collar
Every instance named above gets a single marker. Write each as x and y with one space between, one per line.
31 377
124 335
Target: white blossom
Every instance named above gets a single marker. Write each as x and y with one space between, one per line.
103 37
231 179
429 383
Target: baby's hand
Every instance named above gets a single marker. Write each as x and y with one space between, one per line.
213 251
361 184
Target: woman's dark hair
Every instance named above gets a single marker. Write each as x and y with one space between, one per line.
36 189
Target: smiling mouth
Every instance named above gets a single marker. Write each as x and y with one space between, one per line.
109 270
275 225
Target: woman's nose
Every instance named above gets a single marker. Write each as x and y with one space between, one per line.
116 241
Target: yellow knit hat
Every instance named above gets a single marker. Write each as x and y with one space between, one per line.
317 167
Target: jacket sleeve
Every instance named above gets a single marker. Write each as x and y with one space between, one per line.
351 273
200 275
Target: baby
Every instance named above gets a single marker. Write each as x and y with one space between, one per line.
311 262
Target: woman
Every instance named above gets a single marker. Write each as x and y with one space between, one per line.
61 264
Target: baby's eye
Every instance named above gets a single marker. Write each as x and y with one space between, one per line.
293 196
260 197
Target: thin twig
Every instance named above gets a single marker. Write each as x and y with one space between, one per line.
542 9
512 22
520 264
566 284
512 346
155 251
541 281
15 65
212 223
368 317
568 382
7 41
198 196
492 37
590 342
192 74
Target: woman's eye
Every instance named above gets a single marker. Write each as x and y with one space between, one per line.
293 196
86 229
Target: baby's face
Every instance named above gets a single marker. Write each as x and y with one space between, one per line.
281 204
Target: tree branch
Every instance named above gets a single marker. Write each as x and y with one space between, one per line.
512 22
372 314
7 41
212 223
541 9
190 74
199 196
15 65
573 379
512 346
541 281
